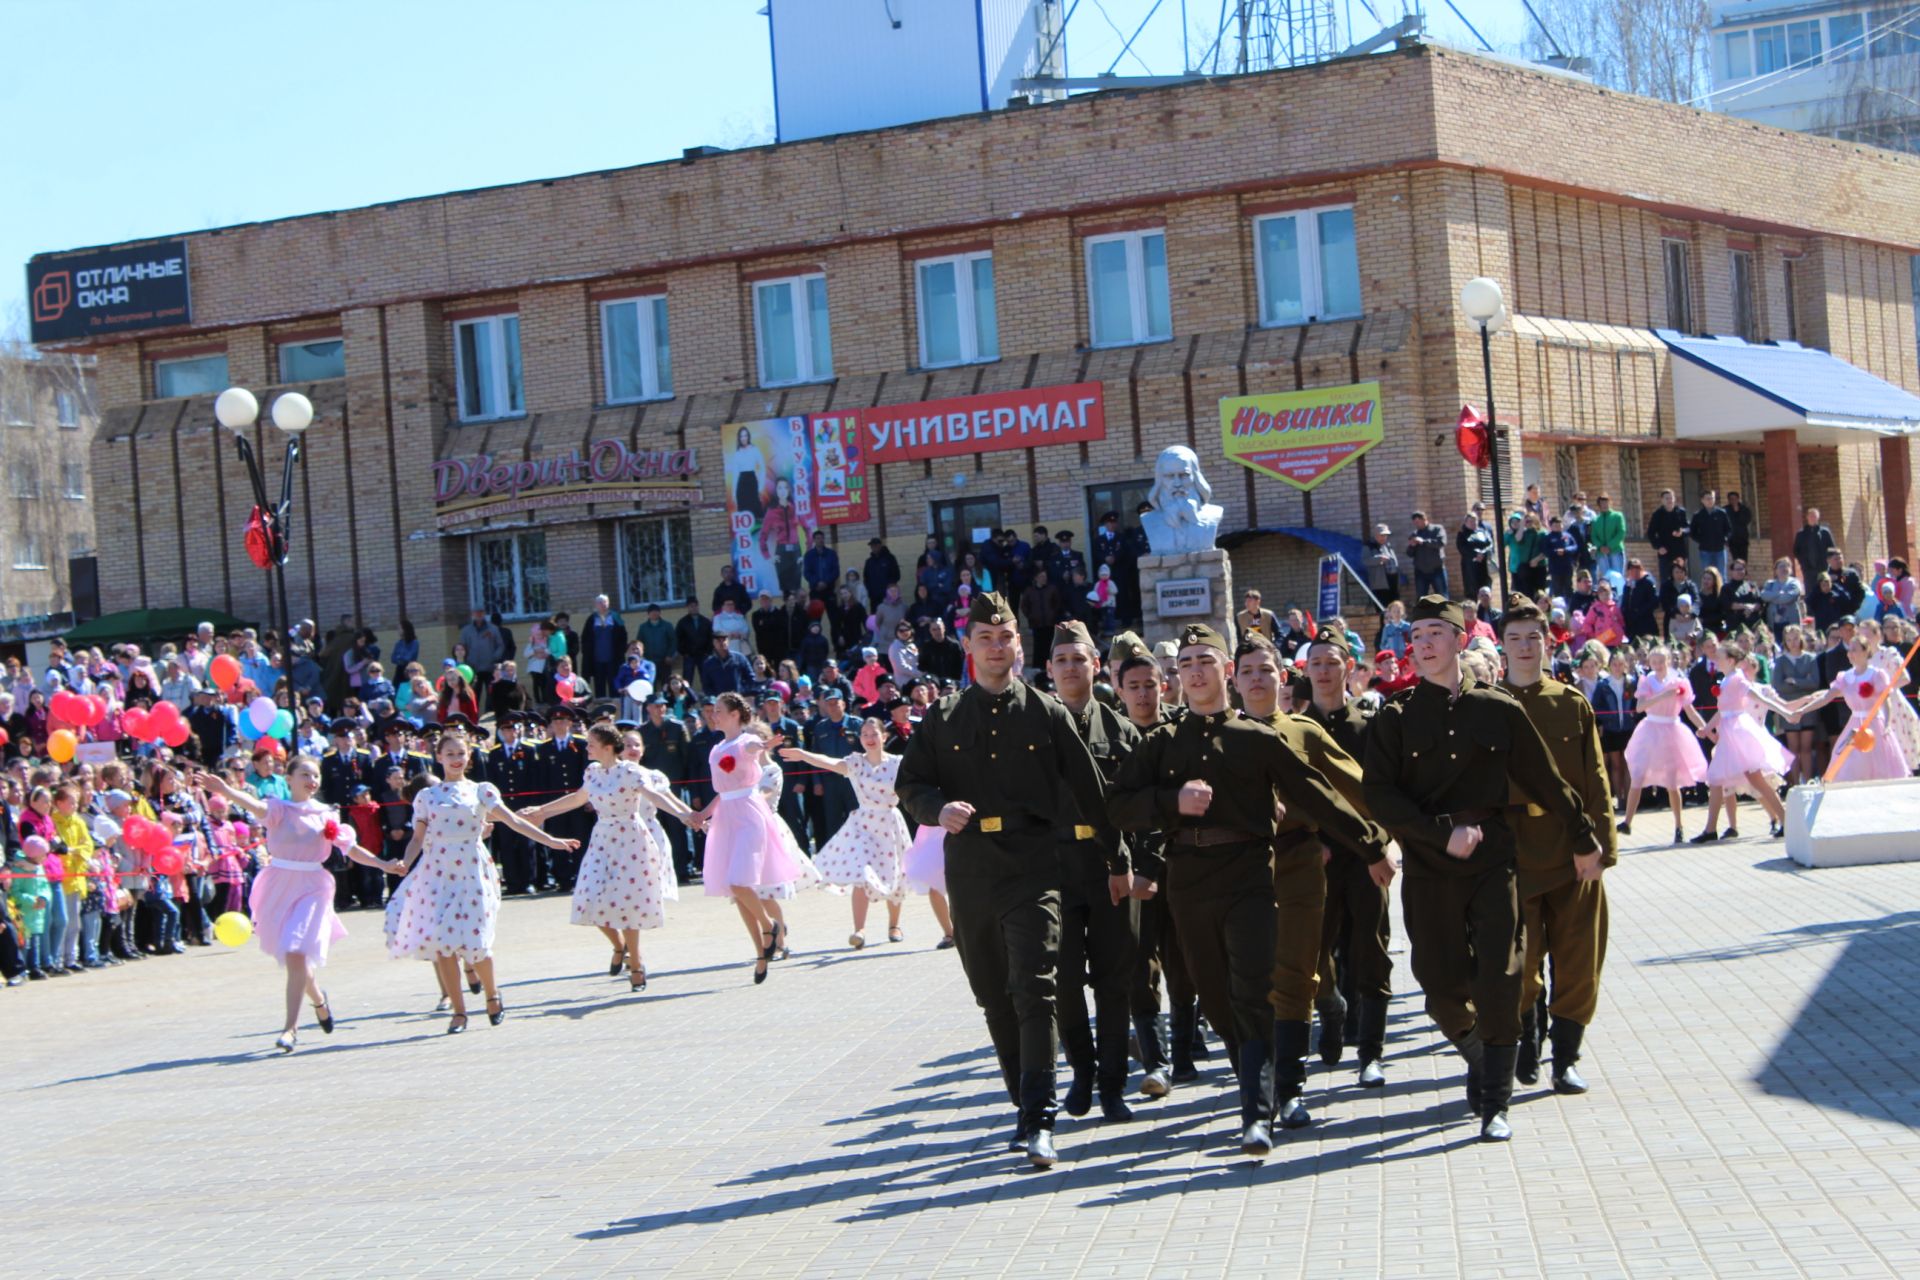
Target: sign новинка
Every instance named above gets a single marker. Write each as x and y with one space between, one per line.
88 295
1301 437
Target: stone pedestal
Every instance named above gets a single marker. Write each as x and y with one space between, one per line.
1849 824
1171 587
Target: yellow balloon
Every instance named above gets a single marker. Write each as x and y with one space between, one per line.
60 745
233 929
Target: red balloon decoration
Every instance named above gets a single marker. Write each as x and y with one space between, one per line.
135 723
176 734
167 862
225 671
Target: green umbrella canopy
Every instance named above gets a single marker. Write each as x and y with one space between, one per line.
148 625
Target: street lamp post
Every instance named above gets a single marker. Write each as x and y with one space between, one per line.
237 409
1486 307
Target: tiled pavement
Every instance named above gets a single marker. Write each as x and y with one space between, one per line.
1754 1112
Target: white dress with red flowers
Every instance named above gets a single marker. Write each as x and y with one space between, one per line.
452 895
869 851
662 849
619 882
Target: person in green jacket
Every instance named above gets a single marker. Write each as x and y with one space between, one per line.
31 897
1607 535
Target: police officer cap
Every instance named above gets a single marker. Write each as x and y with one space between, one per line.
392 724
1437 608
1073 631
1202 634
460 719
602 711
625 726
991 608
657 700
1126 645
342 727
562 711
513 717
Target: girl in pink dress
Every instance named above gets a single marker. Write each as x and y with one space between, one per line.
744 849
619 890
868 853
292 900
1661 753
1860 686
1746 758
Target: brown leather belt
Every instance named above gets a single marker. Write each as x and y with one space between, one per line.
1288 841
1207 837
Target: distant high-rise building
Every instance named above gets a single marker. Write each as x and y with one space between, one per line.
1845 70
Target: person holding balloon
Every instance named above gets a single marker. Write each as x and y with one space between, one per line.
292 900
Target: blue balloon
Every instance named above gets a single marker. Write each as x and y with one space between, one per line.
247 730
282 724
1615 580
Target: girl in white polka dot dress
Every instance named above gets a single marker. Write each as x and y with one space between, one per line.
618 890
868 853
452 902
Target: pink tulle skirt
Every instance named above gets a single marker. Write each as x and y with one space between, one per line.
1745 748
745 847
293 912
1886 760
926 861
1664 753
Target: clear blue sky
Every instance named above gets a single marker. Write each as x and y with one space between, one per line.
133 118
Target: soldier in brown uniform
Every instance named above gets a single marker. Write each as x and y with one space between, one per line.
1100 936
1302 862
1215 782
1354 964
999 767
1562 899
1441 760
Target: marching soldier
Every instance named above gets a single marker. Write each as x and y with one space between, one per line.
1302 861
514 767
1354 964
1440 761
1215 781
1100 938
996 765
1562 899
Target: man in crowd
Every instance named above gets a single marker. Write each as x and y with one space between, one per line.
1441 760
1848 590
513 765
786 733
657 638
343 767
821 567
940 654
1711 531
1739 526
730 588
563 770
1040 606
1255 616
1810 546
725 671
1475 543
1562 901
833 735
1640 603
664 746
1001 814
1607 535
880 571
1667 530
1427 552
693 637
603 647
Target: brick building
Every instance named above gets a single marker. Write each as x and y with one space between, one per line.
1289 230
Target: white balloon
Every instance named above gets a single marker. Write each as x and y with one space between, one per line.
640 690
260 713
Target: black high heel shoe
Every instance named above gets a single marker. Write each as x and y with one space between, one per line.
637 980
780 941
496 1016
473 982
619 963
325 1020
456 1024
766 956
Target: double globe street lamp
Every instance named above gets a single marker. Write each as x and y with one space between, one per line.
237 409
1486 308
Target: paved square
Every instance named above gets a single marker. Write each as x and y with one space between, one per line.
1754 1112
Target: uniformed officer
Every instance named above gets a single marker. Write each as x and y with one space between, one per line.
1562 899
1099 938
996 765
563 770
1440 761
514 767
1301 856
786 733
664 746
342 768
835 734
1355 968
700 791
1214 782
394 752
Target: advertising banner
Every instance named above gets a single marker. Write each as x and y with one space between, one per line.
89 295
481 486
839 468
1329 587
1301 437
787 477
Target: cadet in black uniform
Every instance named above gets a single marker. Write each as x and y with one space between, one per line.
342 768
1099 938
700 776
1441 759
664 746
1214 781
514 767
997 765
563 770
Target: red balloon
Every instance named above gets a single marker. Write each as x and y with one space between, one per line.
176 734
225 670
134 830
3 738
167 861
135 723
62 707
816 609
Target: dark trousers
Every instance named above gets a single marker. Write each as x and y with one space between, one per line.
515 854
1355 933
565 863
603 684
368 884
1159 953
1099 944
1300 897
1464 935
1224 909
1568 923
678 846
1007 931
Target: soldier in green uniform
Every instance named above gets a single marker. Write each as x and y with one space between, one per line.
1302 861
1441 759
1099 938
1354 964
1216 782
1562 900
997 765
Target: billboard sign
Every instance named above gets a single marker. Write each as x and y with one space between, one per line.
1302 437
108 291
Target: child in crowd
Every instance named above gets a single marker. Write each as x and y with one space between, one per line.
396 820
364 814
229 867
31 896
75 858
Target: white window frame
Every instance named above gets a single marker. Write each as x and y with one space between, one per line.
502 384
16 400
476 586
68 470
1136 284
27 554
1307 246
806 359
969 317
280 357
1667 244
677 592
66 409
161 362
26 477
1740 268
655 305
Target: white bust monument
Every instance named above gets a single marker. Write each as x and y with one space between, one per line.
1183 517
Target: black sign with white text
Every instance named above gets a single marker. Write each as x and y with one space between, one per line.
90 295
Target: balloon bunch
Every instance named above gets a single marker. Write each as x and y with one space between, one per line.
154 840
261 718
163 723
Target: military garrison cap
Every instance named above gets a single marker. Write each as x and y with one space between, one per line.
1127 645
1073 631
1437 608
991 608
1522 610
1200 633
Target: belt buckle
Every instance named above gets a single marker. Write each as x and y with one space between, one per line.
1082 832
990 825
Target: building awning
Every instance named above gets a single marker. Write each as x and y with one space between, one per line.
1344 545
1730 389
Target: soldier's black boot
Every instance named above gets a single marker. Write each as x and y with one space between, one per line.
1180 1043
1254 1058
1496 1090
1372 1041
1527 1066
1153 1056
1566 1051
1290 1074
1333 1026
1010 1073
1037 1116
1475 1054
1079 1098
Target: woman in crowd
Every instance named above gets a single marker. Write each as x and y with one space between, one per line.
407 648
1661 753
744 847
1712 611
868 853
1796 676
292 901
166 795
903 654
1612 699
1783 595
1746 758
